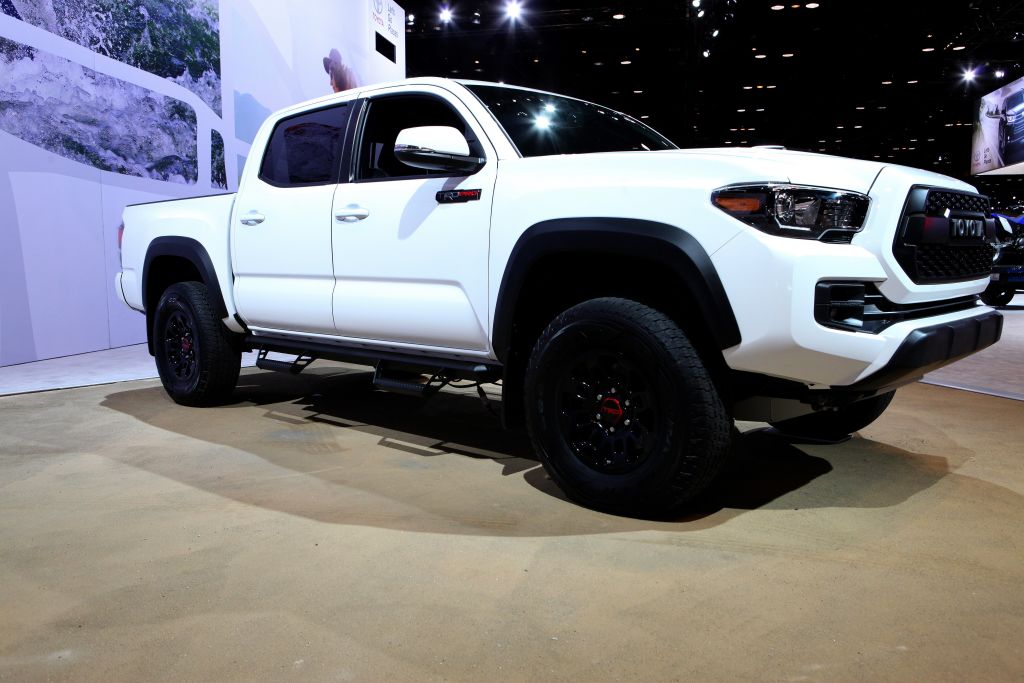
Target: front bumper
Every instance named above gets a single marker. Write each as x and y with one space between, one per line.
929 348
771 284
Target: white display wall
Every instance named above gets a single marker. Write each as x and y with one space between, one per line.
105 103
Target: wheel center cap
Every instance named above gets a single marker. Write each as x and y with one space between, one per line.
186 344
612 409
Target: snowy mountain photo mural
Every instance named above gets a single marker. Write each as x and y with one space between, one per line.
95 119
174 39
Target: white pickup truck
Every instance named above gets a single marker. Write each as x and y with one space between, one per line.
633 298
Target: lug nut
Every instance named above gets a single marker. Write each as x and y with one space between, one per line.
600 396
626 423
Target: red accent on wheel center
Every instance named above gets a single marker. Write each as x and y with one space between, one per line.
611 408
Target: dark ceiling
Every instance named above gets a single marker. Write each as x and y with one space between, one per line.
868 79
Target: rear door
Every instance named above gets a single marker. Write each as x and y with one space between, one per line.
281 231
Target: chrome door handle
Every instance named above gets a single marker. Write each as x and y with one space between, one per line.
351 214
252 218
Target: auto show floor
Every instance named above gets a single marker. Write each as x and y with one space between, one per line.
318 530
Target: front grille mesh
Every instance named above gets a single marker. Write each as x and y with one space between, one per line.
945 261
938 201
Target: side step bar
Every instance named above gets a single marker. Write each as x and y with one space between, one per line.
395 371
294 367
407 382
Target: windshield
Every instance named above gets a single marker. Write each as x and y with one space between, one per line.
540 124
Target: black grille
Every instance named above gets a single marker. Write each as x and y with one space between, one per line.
931 249
943 261
938 201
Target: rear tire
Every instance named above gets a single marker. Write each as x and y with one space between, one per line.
195 354
997 295
836 424
621 410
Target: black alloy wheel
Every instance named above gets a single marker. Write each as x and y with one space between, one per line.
180 347
608 411
197 357
621 410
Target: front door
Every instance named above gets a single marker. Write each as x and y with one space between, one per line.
411 268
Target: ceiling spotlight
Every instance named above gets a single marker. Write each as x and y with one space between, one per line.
969 75
549 108
513 10
696 3
700 14
957 48
625 62
446 15
706 53
927 49
811 5
886 82
760 56
714 34
787 54
412 18
618 16
778 7
542 122
1000 73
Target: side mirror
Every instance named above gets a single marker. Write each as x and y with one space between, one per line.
436 148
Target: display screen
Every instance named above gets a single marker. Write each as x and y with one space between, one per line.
998 146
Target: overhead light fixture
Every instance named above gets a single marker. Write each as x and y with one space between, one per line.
618 16
927 49
778 7
1000 73
787 54
969 75
748 87
811 5
886 82
625 62
760 56
696 3
700 14
542 122
412 18
446 15
911 82
707 53
714 34
957 48
513 9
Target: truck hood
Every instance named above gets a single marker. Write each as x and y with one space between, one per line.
822 170
803 168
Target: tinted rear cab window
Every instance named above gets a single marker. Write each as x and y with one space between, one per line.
306 149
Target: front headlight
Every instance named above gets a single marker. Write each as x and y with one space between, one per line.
796 210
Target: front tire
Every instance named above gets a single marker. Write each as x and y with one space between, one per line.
998 295
830 425
195 354
621 410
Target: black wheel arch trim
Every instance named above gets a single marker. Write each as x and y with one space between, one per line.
661 243
193 252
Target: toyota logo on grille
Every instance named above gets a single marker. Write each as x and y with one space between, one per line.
970 228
